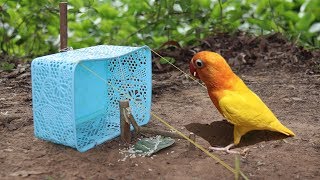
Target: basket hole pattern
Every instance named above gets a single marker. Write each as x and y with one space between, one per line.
52 101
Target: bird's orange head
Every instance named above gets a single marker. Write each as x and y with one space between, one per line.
212 69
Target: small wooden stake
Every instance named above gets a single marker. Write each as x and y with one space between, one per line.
124 125
63 25
192 136
147 130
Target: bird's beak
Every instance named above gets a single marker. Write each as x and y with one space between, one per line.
193 70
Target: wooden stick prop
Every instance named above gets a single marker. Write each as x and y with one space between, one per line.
124 122
129 117
63 26
192 136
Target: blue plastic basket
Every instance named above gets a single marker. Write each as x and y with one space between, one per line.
76 93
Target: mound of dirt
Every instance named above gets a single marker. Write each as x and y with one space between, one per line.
244 51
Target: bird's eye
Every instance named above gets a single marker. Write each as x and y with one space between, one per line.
199 63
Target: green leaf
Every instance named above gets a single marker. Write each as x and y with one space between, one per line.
170 59
235 15
305 22
77 3
6 66
216 11
262 6
149 146
107 11
5 14
291 15
204 3
263 24
21 41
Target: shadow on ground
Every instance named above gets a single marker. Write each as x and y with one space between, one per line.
220 133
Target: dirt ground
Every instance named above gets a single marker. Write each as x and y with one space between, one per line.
292 93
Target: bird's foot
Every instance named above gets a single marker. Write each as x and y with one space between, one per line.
226 149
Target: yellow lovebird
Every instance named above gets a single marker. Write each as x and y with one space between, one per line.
233 99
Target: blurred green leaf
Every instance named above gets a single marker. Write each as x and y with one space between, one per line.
263 24
107 11
5 66
262 6
305 22
291 15
5 14
168 59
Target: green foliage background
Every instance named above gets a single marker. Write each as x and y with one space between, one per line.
31 27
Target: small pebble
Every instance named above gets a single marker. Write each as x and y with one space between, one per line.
296 99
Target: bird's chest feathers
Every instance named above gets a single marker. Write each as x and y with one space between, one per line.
215 96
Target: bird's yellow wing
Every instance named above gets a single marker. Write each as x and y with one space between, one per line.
245 108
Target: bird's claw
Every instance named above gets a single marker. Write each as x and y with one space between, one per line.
226 149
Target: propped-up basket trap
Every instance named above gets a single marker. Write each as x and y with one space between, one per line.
76 93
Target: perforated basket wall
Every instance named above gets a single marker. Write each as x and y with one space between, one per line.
76 93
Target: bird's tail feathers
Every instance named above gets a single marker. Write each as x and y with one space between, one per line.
277 126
